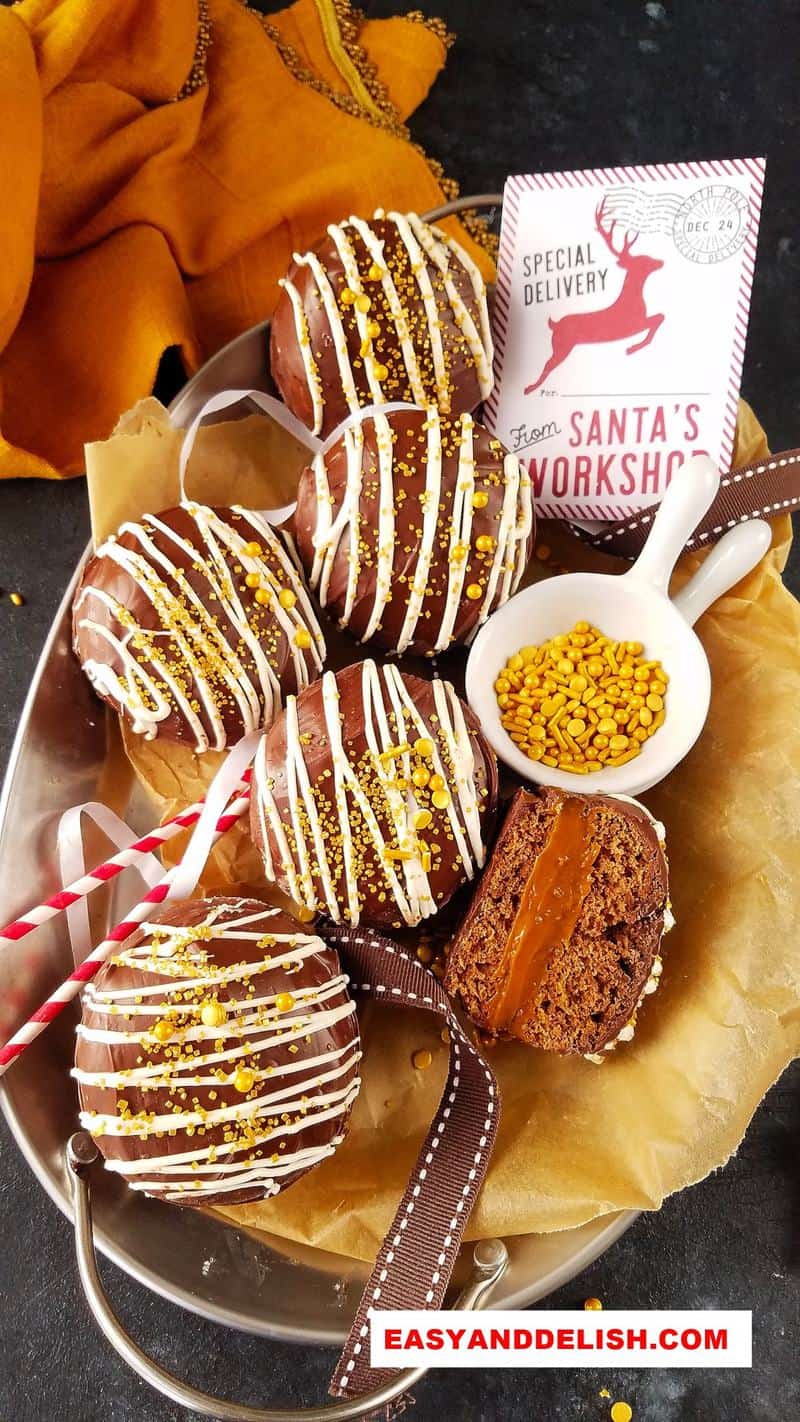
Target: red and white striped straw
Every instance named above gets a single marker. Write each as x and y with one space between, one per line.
68 990
79 888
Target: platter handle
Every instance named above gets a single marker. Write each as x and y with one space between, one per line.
490 1260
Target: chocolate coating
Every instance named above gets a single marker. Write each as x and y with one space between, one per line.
171 635
262 1129
340 781
368 561
423 288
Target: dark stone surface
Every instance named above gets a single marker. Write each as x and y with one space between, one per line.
531 85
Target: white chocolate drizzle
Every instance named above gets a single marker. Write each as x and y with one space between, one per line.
305 848
424 245
502 572
147 686
277 1106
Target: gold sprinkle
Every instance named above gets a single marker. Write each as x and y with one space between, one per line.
213 1014
621 1412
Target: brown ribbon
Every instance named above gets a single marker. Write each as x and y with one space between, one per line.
768 487
416 1259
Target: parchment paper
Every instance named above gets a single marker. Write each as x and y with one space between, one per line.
576 1140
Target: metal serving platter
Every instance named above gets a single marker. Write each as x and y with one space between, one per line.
189 1257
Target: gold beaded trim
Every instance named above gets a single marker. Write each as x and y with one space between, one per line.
435 25
341 27
198 76
380 112
369 98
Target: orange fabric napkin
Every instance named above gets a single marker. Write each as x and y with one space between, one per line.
160 160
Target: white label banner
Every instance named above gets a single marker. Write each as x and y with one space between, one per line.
506 1338
620 318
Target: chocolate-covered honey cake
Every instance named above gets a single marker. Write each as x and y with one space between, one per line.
195 624
413 527
390 309
373 795
217 1059
561 942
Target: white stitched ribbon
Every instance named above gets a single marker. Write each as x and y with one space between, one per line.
282 416
72 864
219 792
270 406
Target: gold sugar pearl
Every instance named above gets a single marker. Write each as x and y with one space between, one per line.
440 799
474 591
592 1305
424 747
480 499
284 1002
373 330
484 543
421 1059
163 1030
581 701
374 273
244 1080
253 550
420 777
458 552
252 580
213 1014
380 372
302 638
263 597
362 302
436 782
346 296
621 1412
425 953
287 598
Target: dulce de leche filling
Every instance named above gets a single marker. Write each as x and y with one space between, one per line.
548 910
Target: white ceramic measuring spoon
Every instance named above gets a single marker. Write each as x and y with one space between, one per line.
634 606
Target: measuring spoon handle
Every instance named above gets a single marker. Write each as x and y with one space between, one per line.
690 494
729 561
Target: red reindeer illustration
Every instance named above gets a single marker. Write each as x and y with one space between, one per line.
626 316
